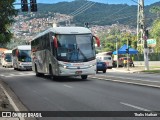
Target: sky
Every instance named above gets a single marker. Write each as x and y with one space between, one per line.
129 2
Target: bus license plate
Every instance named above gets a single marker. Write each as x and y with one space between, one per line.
78 72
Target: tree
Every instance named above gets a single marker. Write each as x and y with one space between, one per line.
7 13
155 30
156 10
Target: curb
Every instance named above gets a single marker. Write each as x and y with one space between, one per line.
14 102
11 103
125 71
126 82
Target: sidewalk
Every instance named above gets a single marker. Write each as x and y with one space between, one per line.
5 104
136 69
9 102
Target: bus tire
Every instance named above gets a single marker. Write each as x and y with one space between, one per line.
50 72
104 71
84 77
36 71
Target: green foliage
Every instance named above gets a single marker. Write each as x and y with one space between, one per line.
7 12
155 34
156 10
15 42
109 39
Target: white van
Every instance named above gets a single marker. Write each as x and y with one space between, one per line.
105 58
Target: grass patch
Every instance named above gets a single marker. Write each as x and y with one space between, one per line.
154 66
151 71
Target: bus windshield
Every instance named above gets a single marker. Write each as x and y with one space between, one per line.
8 57
75 48
24 55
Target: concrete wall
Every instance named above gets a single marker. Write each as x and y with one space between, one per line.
151 63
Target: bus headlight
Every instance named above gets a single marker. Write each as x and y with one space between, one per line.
92 65
64 66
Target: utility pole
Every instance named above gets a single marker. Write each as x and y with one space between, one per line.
117 51
138 22
142 29
127 55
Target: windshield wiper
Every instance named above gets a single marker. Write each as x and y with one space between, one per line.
83 55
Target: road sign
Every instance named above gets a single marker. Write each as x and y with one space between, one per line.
151 42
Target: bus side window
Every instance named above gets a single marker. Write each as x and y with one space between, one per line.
51 44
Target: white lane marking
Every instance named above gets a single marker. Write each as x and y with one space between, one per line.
149 85
136 79
1 75
68 86
11 102
19 75
22 73
133 106
11 74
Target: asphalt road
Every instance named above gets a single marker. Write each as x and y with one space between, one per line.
74 94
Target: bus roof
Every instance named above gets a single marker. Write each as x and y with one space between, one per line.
23 47
66 30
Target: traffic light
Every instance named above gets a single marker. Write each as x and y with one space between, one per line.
86 25
33 5
24 5
129 43
146 33
127 50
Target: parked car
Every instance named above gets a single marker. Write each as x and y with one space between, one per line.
123 62
101 66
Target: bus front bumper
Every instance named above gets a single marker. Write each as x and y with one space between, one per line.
77 72
25 67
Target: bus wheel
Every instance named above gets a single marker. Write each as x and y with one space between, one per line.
50 72
84 77
36 71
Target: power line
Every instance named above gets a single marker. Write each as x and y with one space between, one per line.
84 9
114 13
123 17
117 12
81 8
135 1
118 18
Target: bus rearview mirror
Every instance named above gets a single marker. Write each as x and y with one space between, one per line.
97 41
55 42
